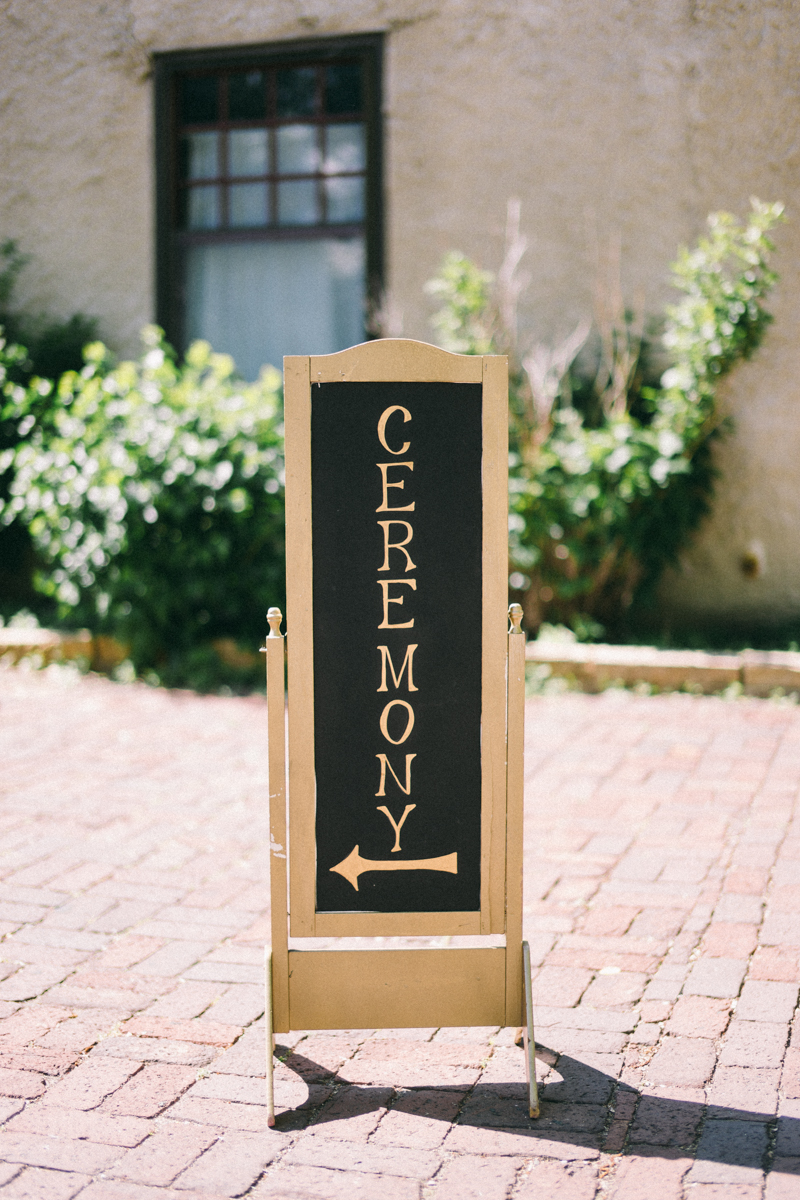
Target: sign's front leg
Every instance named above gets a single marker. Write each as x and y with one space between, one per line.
270 1039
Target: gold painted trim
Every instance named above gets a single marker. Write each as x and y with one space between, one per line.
391 360
515 786
529 1040
398 989
302 786
493 640
278 961
269 1045
386 361
420 924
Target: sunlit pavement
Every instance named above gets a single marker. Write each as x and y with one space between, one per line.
662 908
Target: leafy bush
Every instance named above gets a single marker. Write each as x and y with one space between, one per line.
16 549
34 345
609 476
153 494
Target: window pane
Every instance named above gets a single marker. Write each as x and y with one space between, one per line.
343 88
247 204
297 92
199 100
201 156
204 208
261 300
298 149
297 202
248 152
345 198
344 149
246 96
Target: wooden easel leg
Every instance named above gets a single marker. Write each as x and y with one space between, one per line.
270 1039
277 955
528 1037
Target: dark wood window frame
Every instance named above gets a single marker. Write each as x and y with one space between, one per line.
169 68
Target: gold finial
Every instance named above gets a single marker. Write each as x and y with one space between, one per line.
515 617
275 616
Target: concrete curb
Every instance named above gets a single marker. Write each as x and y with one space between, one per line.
48 644
102 653
592 667
45 646
595 667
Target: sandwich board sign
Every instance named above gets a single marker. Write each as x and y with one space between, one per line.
403 814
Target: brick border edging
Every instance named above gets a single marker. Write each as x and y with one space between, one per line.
592 666
595 666
101 652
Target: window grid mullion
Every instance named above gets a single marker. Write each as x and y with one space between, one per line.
223 152
271 123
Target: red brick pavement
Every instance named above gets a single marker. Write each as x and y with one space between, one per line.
662 908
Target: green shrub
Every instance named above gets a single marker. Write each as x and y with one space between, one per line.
153 494
611 477
17 559
36 345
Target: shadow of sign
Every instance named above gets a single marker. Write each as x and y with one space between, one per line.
582 1108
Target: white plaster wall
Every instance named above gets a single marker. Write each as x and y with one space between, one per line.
637 116
75 147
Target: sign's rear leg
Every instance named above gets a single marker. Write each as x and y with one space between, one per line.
529 1041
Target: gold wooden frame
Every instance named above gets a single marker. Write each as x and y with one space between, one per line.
386 361
347 988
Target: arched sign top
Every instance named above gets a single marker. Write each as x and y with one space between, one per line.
395 360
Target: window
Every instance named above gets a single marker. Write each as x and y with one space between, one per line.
269 197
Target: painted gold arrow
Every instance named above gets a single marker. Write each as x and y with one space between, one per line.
354 865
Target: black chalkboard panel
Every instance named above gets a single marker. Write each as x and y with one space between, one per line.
368 755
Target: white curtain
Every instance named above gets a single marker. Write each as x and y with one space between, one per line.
260 300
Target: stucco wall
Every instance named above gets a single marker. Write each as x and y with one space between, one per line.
639 116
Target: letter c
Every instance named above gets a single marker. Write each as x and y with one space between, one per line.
382 427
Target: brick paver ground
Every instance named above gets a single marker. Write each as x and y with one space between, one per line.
662 907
